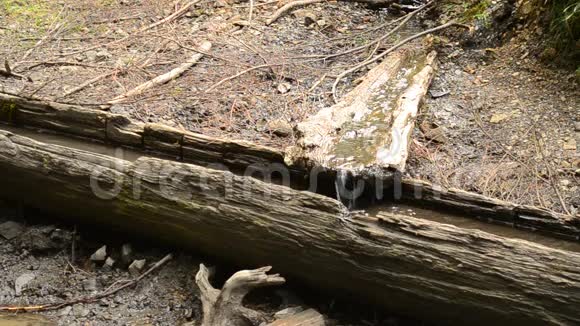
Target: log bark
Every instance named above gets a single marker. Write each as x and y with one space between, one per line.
416 267
100 125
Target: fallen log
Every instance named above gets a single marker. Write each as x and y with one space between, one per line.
117 129
368 131
417 267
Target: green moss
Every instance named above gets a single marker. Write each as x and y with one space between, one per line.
39 13
7 111
476 11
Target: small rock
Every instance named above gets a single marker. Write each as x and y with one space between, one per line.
80 310
309 317
577 126
65 311
570 144
280 127
90 284
91 55
288 312
308 16
499 117
109 263
137 266
564 182
21 282
283 88
10 230
100 255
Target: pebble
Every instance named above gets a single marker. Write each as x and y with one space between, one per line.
280 127
577 126
288 312
137 266
10 230
100 255
90 284
22 281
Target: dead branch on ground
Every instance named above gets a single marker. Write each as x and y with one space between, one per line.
224 308
162 79
108 292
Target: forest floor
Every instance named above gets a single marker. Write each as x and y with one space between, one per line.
509 123
62 46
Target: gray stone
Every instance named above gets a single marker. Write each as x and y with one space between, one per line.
22 281
80 310
109 263
90 284
288 312
10 230
280 127
100 255
65 311
137 266
577 126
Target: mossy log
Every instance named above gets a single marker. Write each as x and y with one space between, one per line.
416 267
368 131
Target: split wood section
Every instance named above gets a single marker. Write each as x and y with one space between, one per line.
421 268
369 130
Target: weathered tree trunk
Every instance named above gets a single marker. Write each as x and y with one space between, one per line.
421 268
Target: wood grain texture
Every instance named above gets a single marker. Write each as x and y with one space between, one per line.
417 267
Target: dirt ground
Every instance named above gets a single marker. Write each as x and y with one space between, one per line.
503 122
36 267
63 45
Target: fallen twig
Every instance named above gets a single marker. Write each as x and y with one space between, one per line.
88 82
106 293
162 79
289 6
9 73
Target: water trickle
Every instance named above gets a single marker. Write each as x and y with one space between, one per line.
348 188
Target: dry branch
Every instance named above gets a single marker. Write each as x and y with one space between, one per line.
162 79
224 308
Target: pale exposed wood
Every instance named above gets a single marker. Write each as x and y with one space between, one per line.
394 154
321 133
164 78
316 135
418 267
224 308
